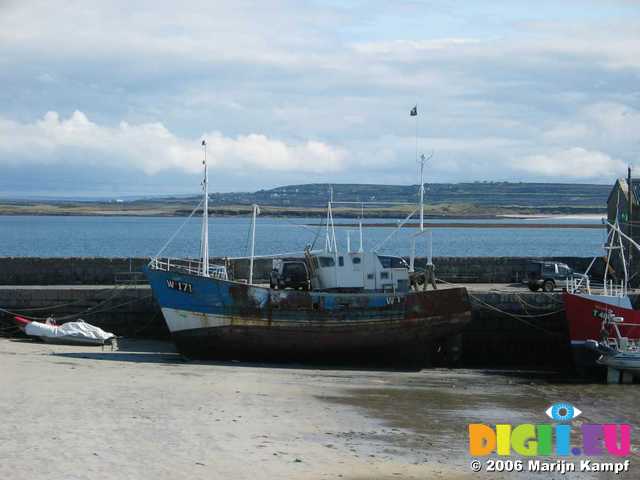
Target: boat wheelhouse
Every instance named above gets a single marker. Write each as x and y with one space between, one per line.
359 271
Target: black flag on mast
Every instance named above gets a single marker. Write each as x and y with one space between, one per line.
414 111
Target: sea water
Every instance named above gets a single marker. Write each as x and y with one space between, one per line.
88 236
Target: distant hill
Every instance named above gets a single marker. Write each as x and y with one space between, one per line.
487 194
462 200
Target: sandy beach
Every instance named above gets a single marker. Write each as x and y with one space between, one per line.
146 412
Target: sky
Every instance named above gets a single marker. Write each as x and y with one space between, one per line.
114 98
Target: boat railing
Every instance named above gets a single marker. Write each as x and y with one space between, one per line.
582 283
578 283
188 266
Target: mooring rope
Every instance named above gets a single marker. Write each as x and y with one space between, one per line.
529 305
111 308
519 317
4 329
61 305
116 292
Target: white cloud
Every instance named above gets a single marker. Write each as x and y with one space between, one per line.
152 148
541 85
200 32
617 121
610 127
574 162
408 49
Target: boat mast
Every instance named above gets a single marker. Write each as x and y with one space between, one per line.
333 241
361 215
412 258
630 198
327 240
204 241
422 160
256 212
331 244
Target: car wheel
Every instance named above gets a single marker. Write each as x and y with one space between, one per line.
548 286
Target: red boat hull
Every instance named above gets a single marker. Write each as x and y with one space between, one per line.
585 314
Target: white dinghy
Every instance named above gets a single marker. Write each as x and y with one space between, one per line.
70 333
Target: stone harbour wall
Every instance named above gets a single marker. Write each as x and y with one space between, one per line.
107 271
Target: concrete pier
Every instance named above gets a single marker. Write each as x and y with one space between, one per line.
511 326
495 337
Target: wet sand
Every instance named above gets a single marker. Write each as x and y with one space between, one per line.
145 412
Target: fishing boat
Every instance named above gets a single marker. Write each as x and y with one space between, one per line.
358 305
588 304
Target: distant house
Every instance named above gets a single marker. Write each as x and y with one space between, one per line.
618 206
628 217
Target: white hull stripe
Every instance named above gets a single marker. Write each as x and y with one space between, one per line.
178 320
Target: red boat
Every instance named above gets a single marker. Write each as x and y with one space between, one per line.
587 307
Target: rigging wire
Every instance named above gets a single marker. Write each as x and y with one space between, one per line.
318 232
381 244
179 229
246 243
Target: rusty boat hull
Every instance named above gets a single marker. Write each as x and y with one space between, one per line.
221 319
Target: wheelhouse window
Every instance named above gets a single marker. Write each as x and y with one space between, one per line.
384 275
341 261
392 262
327 261
356 260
